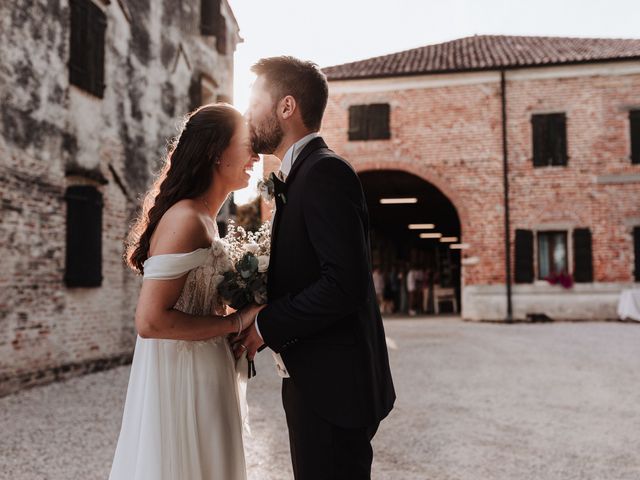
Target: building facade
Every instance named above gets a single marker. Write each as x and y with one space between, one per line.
91 91
537 137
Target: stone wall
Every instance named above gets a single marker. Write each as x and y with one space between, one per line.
54 135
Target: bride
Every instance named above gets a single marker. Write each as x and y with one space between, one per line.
182 418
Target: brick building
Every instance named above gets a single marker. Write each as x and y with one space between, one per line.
91 90
468 139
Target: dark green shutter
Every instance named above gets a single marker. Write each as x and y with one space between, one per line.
582 255
539 128
77 66
221 36
634 126
636 250
84 237
86 52
558 138
210 17
378 121
524 256
195 91
358 129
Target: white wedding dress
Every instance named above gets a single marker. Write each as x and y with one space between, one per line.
186 400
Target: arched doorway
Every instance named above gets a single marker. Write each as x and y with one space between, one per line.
415 239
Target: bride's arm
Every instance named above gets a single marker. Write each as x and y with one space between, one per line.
181 230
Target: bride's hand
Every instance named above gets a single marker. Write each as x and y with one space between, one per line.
249 341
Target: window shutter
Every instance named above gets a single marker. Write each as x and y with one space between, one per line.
99 26
524 256
636 249
358 122
558 138
195 91
582 255
84 237
539 128
634 125
77 65
86 52
221 36
209 17
378 120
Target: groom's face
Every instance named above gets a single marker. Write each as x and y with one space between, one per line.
264 124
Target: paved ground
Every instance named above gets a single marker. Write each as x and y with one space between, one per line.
475 402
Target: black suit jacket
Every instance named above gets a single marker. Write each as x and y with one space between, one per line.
322 316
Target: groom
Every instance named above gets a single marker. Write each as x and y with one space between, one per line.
322 318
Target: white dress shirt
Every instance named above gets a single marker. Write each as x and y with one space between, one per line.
285 168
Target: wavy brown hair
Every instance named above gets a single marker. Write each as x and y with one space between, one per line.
186 173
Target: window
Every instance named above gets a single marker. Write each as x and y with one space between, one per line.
84 237
212 23
369 122
634 126
549 139
86 60
636 250
552 253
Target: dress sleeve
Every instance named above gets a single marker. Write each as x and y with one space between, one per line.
173 265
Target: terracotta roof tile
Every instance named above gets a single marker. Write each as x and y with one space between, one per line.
488 52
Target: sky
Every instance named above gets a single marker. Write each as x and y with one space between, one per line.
331 32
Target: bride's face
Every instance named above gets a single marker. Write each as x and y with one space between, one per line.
238 160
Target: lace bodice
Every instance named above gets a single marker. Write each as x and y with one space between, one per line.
199 295
205 267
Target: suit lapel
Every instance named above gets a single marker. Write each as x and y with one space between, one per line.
315 144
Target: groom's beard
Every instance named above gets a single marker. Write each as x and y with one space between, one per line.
266 137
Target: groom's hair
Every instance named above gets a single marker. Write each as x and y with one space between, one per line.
303 80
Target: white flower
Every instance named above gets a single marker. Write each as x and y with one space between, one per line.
263 263
225 264
252 247
217 248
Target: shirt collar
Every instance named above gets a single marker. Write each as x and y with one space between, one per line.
293 152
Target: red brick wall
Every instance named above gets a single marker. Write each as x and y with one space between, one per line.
451 136
597 110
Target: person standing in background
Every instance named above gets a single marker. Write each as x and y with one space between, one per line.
411 289
378 283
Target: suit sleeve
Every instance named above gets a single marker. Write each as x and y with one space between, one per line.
333 209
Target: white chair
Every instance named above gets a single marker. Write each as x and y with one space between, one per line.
444 295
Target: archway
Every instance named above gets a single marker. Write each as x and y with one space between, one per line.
415 237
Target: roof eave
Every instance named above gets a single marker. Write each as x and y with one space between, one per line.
482 69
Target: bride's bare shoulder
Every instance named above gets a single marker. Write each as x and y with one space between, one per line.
181 229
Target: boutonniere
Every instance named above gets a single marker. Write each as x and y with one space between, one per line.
273 188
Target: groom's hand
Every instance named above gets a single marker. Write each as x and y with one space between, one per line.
248 341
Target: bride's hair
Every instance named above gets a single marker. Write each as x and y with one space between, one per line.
186 173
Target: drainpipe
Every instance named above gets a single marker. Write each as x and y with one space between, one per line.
505 174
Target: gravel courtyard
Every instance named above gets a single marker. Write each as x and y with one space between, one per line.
475 402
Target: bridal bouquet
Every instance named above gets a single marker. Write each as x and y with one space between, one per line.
246 281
